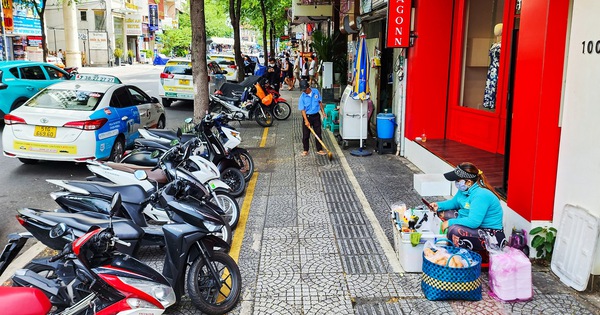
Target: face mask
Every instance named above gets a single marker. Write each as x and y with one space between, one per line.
461 185
271 65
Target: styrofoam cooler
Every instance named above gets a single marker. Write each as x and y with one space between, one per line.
510 275
411 258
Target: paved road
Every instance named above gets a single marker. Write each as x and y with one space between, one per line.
25 185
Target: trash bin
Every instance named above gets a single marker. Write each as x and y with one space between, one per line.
386 123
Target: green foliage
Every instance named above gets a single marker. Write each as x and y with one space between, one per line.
252 16
543 241
149 53
130 53
217 17
118 52
322 46
179 40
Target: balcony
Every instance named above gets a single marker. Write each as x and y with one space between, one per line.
308 11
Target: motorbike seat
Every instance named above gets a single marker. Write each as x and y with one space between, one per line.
234 100
129 193
170 134
13 299
151 144
157 175
125 229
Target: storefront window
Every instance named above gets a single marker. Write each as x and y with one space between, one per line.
483 30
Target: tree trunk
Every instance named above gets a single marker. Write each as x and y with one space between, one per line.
199 69
235 8
40 13
272 37
265 25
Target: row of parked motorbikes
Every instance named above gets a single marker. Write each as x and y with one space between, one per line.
175 190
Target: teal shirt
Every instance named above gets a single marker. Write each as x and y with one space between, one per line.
310 102
477 208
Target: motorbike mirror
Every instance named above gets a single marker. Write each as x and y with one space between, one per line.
188 120
58 230
156 153
179 133
140 175
115 203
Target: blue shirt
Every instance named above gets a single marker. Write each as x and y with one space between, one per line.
477 208
310 102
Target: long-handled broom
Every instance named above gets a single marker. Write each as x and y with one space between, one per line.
329 154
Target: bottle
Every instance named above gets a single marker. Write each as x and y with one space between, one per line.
424 137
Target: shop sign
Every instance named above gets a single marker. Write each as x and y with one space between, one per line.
153 17
398 30
8 15
98 40
133 24
34 41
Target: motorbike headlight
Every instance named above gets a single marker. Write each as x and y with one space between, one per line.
162 293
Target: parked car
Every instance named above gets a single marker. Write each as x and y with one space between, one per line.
91 117
20 80
227 62
55 61
176 80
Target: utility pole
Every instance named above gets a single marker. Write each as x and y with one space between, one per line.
73 54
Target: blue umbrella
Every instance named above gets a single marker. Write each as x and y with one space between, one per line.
360 73
360 85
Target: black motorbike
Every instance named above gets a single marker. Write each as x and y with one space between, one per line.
89 275
229 168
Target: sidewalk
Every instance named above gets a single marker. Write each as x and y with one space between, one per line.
309 247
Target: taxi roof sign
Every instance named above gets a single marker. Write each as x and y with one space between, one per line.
97 77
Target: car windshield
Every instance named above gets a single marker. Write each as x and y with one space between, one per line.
66 99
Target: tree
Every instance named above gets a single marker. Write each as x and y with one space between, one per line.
216 19
178 40
235 10
199 69
267 15
263 10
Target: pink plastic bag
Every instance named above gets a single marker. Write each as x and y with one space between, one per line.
510 275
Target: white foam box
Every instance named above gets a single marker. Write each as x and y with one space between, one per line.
431 185
411 258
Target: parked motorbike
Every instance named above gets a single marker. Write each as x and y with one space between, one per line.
281 109
227 135
72 70
215 152
119 284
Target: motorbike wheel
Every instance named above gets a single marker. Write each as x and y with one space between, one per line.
230 207
282 110
265 120
210 295
246 163
235 179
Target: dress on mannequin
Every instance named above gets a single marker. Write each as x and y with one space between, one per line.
489 96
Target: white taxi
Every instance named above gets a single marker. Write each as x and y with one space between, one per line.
177 83
91 117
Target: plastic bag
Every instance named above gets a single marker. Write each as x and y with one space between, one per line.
439 255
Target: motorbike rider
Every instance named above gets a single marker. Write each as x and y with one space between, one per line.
273 74
310 103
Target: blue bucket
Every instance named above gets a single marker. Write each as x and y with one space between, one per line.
386 123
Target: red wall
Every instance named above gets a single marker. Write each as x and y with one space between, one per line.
537 97
427 73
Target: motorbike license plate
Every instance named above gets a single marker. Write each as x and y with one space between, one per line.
184 82
45 131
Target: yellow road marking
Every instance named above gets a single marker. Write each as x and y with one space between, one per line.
236 244
263 142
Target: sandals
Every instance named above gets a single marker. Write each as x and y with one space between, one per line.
304 153
321 152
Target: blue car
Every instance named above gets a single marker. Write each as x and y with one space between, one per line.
20 80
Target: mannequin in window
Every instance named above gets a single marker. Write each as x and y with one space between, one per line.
489 96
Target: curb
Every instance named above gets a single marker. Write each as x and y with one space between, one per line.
22 260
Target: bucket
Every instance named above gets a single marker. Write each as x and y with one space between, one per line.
386 123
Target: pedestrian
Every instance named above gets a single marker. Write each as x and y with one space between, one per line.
310 104
312 69
273 74
297 64
60 56
304 71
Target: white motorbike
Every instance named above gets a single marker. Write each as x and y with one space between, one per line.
203 170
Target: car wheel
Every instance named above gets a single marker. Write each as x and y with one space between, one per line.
17 104
28 161
161 123
116 154
166 102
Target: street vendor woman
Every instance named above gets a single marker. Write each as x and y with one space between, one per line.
474 211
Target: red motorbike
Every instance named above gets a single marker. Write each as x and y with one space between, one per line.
281 108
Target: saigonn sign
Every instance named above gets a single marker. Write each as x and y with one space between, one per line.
398 30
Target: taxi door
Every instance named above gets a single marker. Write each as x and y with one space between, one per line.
128 114
148 114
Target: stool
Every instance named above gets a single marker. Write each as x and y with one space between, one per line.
334 124
329 107
386 146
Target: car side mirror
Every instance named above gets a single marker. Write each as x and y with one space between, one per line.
154 100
